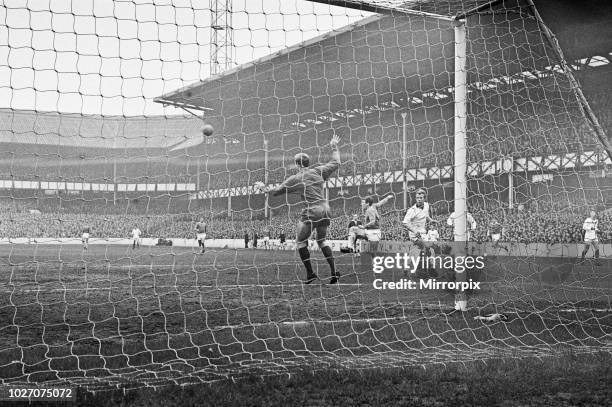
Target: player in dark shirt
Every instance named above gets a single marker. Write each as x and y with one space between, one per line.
201 229
308 182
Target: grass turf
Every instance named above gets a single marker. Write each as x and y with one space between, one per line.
114 317
568 380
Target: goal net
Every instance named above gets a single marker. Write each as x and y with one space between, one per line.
107 183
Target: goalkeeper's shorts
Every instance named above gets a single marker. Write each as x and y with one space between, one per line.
316 215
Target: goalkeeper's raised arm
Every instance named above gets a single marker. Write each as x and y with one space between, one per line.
302 160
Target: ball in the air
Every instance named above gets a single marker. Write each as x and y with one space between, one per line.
207 130
259 186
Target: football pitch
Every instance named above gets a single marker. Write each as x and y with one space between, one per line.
116 317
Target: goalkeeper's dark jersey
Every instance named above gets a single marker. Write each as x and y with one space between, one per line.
309 183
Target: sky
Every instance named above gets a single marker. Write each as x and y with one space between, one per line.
113 57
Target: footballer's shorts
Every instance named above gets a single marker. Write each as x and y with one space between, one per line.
266 239
85 236
373 235
316 215
495 237
351 240
201 236
591 241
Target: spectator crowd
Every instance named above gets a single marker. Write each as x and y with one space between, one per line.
541 225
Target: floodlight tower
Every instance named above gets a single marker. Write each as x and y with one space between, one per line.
222 36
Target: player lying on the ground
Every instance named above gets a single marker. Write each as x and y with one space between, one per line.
308 182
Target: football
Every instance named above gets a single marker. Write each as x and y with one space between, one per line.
207 130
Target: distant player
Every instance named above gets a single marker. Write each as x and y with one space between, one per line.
135 238
85 238
416 218
591 228
308 182
355 231
283 240
470 220
312 241
266 239
372 219
496 232
201 229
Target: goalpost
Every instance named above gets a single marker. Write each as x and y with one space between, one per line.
100 127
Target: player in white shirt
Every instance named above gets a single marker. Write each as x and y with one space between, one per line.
135 237
470 220
591 228
416 218
85 237
266 239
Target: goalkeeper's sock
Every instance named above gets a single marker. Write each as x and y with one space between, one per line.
597 254
327 252
305 256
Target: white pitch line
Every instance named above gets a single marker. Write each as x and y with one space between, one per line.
304 322
128 287
356 320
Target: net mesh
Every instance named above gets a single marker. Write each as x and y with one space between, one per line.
130 316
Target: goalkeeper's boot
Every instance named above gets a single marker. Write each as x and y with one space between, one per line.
334 278
311 278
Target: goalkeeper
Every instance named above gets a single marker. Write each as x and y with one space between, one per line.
308 182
